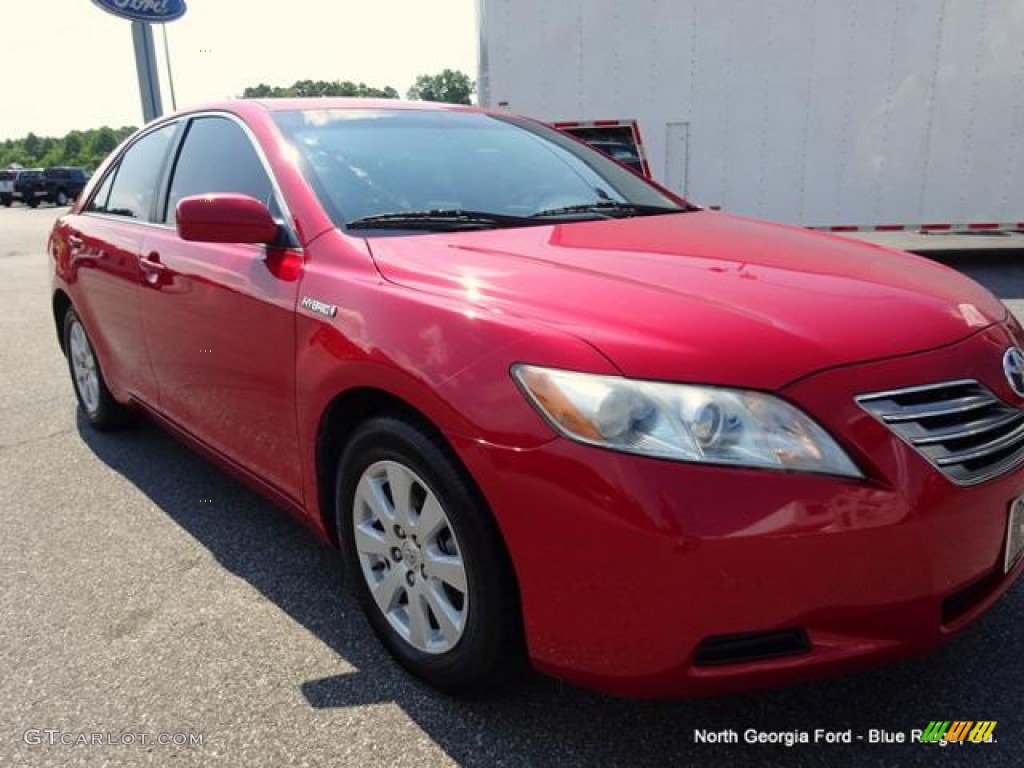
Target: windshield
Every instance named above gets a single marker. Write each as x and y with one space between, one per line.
458 167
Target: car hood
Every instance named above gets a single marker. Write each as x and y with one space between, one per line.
703 296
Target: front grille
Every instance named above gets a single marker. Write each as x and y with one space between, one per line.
959 426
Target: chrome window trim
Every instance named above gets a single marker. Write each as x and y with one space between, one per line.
124 219
185 119
289 219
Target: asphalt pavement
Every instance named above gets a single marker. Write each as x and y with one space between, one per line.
144 593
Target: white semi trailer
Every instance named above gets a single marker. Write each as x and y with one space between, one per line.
842 114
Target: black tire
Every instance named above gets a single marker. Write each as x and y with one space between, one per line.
6 201
106 413
489 649
61 199
32 202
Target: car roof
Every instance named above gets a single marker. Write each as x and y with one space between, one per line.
284 104
244 106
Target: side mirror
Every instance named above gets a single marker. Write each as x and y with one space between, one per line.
225 218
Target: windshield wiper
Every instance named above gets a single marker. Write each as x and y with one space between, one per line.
438 220
608 209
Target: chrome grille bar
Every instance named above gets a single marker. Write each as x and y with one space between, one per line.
959 457
917 412
979 428
961 427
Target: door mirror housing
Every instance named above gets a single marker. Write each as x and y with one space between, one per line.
226 218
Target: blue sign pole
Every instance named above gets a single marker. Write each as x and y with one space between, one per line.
143 14
145 66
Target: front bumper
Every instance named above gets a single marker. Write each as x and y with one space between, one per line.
628 567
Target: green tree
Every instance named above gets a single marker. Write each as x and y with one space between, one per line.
102 142
32 146
83 148
73 144
55 156
311 88
362 90
450 86
261 91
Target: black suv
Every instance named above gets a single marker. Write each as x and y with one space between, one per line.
27 187
60 185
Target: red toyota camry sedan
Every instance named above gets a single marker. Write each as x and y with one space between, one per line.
546 409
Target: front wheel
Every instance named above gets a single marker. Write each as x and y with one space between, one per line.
62 198
425 558
98 405
32 202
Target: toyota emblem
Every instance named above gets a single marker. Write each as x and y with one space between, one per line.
1013 367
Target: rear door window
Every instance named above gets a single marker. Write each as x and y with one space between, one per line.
98 204
134 187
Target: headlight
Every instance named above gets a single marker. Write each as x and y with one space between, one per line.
682 421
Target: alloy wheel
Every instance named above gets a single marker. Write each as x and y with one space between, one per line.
83 366
410 558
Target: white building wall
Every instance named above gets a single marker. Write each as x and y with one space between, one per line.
807 111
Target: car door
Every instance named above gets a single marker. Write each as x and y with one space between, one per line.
219 319
104 244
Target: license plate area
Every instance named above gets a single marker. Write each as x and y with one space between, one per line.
1014 534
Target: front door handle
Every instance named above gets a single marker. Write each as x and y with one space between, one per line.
152 268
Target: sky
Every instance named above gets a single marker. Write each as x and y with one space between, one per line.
67 64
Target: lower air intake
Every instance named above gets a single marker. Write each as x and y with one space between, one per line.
751 646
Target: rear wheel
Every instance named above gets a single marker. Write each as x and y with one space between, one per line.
425 558
97 404
6 200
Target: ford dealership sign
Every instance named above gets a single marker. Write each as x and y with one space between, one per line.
154 11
